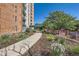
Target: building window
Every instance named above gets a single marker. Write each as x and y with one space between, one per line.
31 24
15 18
31 13
31 5
16 28
31 20
31 16
15 6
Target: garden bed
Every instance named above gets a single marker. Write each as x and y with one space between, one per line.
6 40
42 47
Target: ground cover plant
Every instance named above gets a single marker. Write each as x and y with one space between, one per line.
6 40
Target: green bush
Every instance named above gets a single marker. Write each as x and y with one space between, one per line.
56 51
22 36
8 38
61 40
5 38
28 30
56 39
75 50
50 37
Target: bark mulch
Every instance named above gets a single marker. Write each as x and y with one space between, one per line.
41 48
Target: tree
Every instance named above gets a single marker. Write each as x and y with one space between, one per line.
77 25
39 26
59 20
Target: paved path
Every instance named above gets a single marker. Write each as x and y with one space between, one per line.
21 47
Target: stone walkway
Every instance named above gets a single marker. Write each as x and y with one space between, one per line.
21 47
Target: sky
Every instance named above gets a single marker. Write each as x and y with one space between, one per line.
41 10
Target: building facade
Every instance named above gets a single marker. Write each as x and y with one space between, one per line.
11 18
29 15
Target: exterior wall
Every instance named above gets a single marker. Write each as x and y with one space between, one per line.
29 15
10 18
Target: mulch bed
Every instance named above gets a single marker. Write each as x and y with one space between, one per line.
40 48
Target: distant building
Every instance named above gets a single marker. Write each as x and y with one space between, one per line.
11 17
29 15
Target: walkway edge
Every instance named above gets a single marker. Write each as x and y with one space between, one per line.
21 47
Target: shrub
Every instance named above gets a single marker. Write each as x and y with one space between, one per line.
61 40
56 39
30 30
74 50
57 49
8 38
50 37
56 52
27 30
34 30
22 36
5 38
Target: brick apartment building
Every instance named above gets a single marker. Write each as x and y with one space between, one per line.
11 18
